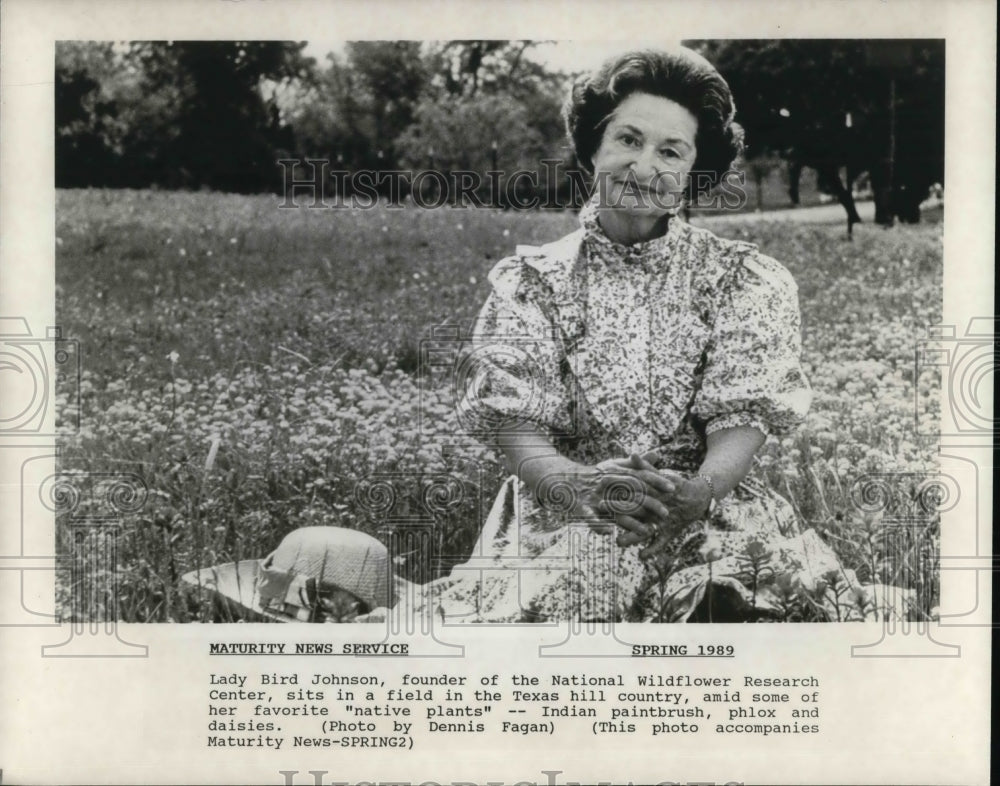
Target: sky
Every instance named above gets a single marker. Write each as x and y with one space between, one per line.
565 56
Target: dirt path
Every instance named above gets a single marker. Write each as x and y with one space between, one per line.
832 213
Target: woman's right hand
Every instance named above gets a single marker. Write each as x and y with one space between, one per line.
609 495
665 487
639 500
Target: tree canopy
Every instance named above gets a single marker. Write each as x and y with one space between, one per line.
872 106
220 114
176 114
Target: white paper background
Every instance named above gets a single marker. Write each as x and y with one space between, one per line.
143 720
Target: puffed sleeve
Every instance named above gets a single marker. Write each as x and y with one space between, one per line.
512 369
753 374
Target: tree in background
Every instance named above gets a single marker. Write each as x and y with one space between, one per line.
226 130
353 110
221 114
487 106
458 132
389 78
470 133
175 114
328 118
437 105
851 105
92 96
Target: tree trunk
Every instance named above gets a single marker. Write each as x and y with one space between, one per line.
794 173
831 177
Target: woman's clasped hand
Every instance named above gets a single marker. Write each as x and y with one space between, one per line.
631 497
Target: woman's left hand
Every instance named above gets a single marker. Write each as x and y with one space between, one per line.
686 500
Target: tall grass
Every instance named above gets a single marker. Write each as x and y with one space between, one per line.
286 344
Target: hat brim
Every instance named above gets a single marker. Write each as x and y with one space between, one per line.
235 586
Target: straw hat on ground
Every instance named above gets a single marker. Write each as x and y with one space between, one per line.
332 561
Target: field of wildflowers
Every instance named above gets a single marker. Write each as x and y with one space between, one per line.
260 369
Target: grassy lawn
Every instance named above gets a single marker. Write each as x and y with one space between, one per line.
252 365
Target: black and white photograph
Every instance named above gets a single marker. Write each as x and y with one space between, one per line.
505 335
510 345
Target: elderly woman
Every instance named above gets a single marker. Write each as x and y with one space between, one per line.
629 372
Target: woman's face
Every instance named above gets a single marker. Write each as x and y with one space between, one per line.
645 155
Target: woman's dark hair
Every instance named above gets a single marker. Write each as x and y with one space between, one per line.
680 75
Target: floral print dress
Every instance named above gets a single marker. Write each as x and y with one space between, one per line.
615 350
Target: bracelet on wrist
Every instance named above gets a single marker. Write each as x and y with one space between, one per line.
712 502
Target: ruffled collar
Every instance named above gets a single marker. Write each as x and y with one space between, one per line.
608 249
